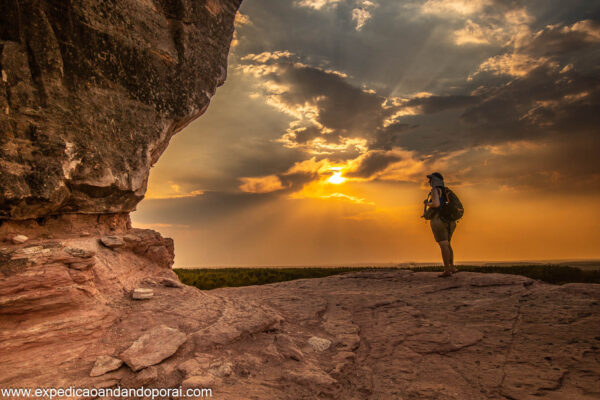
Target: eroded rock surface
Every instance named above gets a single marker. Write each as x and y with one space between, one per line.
92 91
392 334
405 335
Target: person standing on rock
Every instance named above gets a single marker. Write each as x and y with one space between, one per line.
442 230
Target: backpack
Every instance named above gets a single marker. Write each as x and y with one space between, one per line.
451 209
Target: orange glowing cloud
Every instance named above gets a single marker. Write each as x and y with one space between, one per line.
171 190
263 184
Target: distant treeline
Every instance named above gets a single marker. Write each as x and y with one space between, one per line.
208 278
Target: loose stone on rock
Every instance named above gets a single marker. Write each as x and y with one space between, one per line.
19 239
319 344
190 367
105 364
153 347
81 253
221 369
112 242
142 294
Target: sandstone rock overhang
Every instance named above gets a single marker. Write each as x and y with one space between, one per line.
92 91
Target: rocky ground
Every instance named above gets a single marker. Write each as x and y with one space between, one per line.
361 335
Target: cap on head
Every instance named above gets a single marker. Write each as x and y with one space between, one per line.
437 175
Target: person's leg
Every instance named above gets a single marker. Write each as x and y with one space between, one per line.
446 257
452 267
451 227
441 234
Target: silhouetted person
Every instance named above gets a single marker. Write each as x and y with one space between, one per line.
442 231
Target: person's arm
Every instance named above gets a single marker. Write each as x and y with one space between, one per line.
434 198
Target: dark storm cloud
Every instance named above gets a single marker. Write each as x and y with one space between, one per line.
294 181
342 107
563 40
342 110
396 49
554 166
389 137
307 133
434 104
546 86
543 102
373 162
529 73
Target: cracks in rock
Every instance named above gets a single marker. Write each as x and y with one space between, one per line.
470 382
443 289
321 313
36 76
177 34
174 12
387 303
513 332
4 87
499 284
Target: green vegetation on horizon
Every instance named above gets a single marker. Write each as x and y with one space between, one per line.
208 278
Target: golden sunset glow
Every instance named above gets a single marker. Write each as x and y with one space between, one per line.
316 152
336 178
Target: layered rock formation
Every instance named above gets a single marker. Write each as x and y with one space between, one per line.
92 91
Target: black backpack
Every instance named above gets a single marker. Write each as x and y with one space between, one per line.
451 208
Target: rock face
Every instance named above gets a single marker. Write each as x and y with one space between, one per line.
91 92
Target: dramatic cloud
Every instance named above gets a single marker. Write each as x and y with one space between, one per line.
316 4
514 64
461 7
373 162
335 110
332 116
540 86
485 22
361 14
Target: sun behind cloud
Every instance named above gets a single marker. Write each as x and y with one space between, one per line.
336 178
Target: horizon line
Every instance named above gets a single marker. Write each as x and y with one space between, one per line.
391 263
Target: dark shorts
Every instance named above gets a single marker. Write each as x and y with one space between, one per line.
442 230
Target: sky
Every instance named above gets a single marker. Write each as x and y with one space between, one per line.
315 150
